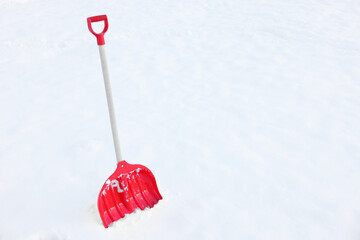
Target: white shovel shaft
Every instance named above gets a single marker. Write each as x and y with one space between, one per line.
110 103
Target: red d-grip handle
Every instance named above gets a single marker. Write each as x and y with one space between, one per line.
99 36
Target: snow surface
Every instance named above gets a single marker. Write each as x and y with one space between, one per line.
247 112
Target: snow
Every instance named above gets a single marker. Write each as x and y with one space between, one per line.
247 113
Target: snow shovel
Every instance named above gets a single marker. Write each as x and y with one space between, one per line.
131 186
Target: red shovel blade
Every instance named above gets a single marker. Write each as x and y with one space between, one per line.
131 186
